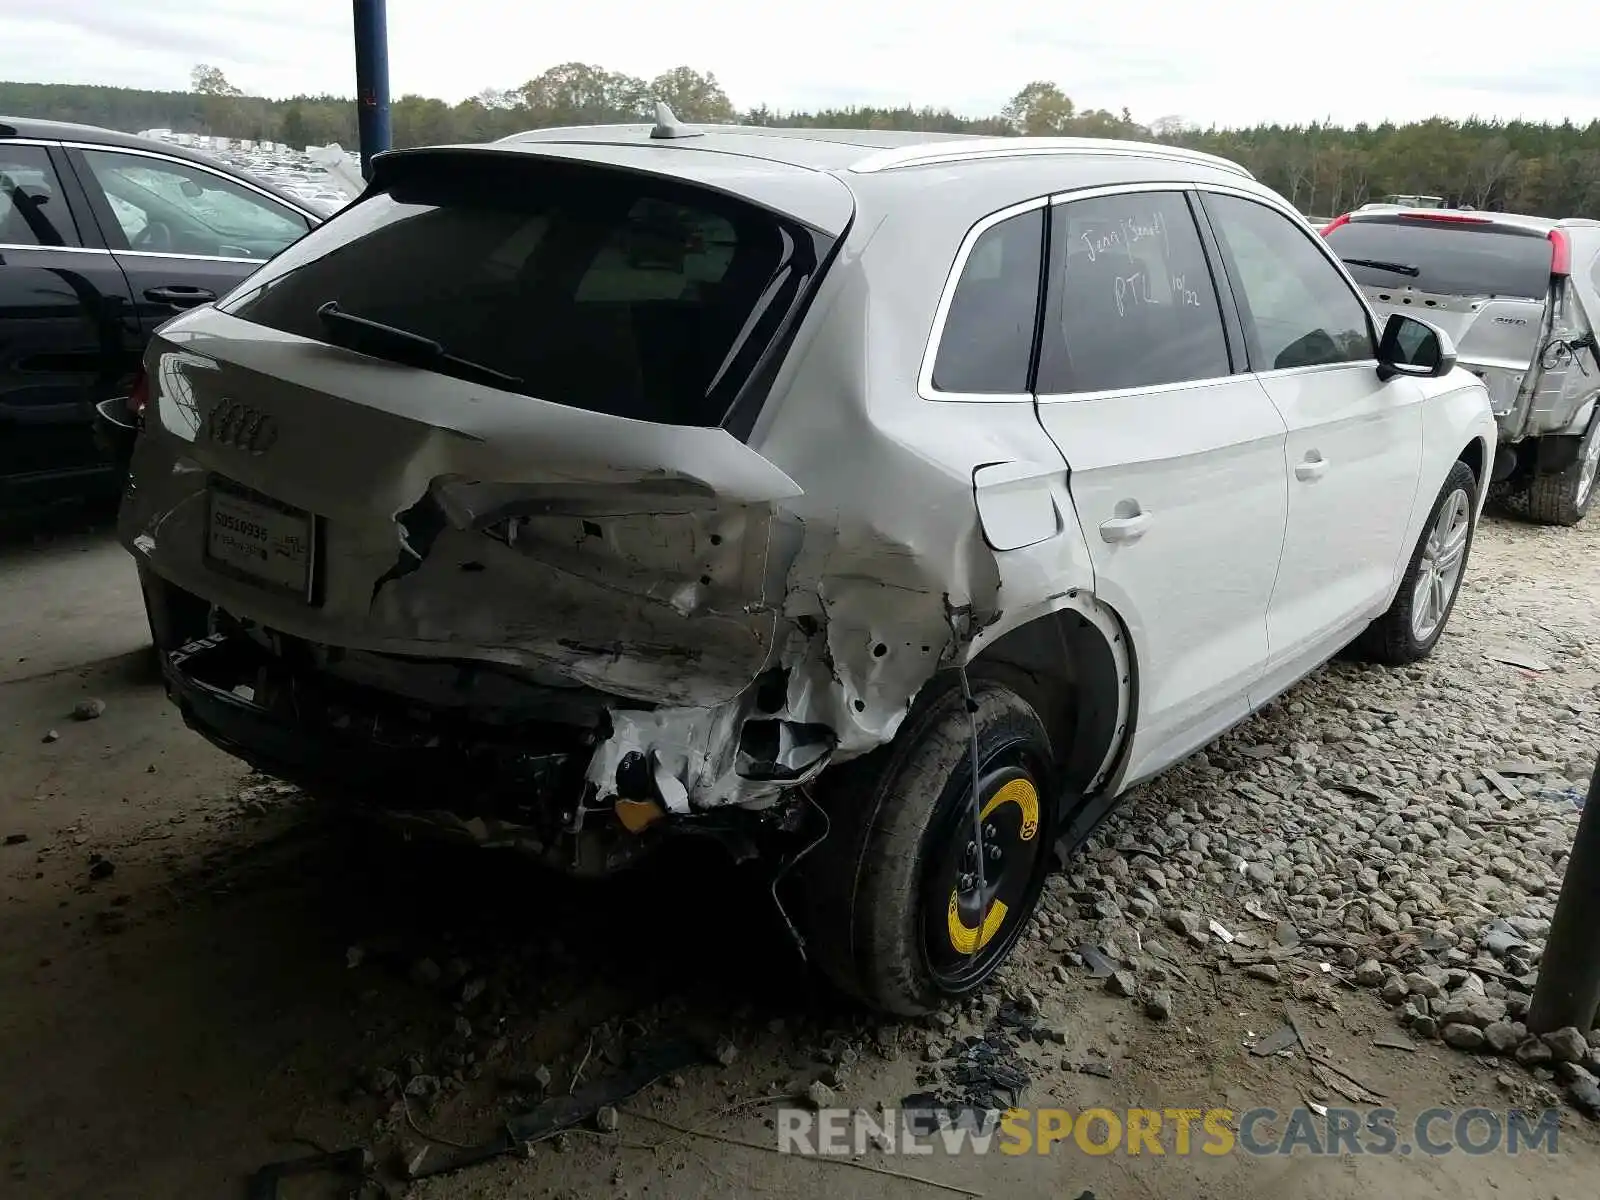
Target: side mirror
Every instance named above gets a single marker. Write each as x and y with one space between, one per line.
1413 347
191 189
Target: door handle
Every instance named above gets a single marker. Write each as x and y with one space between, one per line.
180 295
1313 467
1125 529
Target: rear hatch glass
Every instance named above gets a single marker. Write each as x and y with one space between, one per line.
614 291
1447 259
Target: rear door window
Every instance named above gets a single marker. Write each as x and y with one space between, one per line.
1446 258
1131 302
616 292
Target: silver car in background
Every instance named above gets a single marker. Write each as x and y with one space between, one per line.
1520 297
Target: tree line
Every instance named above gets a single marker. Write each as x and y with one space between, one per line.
1521 166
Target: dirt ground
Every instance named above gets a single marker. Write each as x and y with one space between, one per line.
201 972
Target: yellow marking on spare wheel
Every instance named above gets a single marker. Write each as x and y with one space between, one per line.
1025 796
636 815
966 939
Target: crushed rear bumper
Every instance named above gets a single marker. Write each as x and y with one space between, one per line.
340 740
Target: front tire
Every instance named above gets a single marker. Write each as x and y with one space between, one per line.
1414 622
896 917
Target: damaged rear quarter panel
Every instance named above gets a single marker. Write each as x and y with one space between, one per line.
893 546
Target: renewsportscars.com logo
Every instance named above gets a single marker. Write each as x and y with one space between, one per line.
1161 1131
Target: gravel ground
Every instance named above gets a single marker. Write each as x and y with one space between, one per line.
211 970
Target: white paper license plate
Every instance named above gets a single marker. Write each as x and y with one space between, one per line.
264 541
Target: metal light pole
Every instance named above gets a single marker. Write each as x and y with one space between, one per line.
372 78
1568 991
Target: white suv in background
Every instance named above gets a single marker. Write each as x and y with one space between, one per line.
883 503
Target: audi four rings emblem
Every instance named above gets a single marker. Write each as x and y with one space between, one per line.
244 428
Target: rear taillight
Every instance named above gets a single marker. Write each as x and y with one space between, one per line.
1334 224
139 394
1560 253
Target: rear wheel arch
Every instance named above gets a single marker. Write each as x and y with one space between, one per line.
1058 685
1076 666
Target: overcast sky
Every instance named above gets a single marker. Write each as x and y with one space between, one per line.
1226 61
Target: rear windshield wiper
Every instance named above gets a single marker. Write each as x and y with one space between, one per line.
1378 264
401 345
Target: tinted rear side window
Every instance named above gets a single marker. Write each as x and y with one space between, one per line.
598 289
1131 299
986 346
1451 259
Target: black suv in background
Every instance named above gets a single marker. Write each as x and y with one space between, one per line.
103 237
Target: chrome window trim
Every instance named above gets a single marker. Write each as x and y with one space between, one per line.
930 351
1148 389
1122 189
1366 364
191 257
132 253
56 249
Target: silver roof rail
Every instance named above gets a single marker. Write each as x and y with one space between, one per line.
933 153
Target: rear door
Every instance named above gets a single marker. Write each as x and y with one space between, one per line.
1176 457
1354 449
65 336
183 234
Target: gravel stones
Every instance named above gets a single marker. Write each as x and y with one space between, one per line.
1158 1005
1584 1093
1567 1045
820 1095
1468 1009
1502 1037
1122 983
1191 925
1420 984
1370 973
1533 1052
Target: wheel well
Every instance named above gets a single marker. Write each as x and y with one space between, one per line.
1474 454
1070 673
